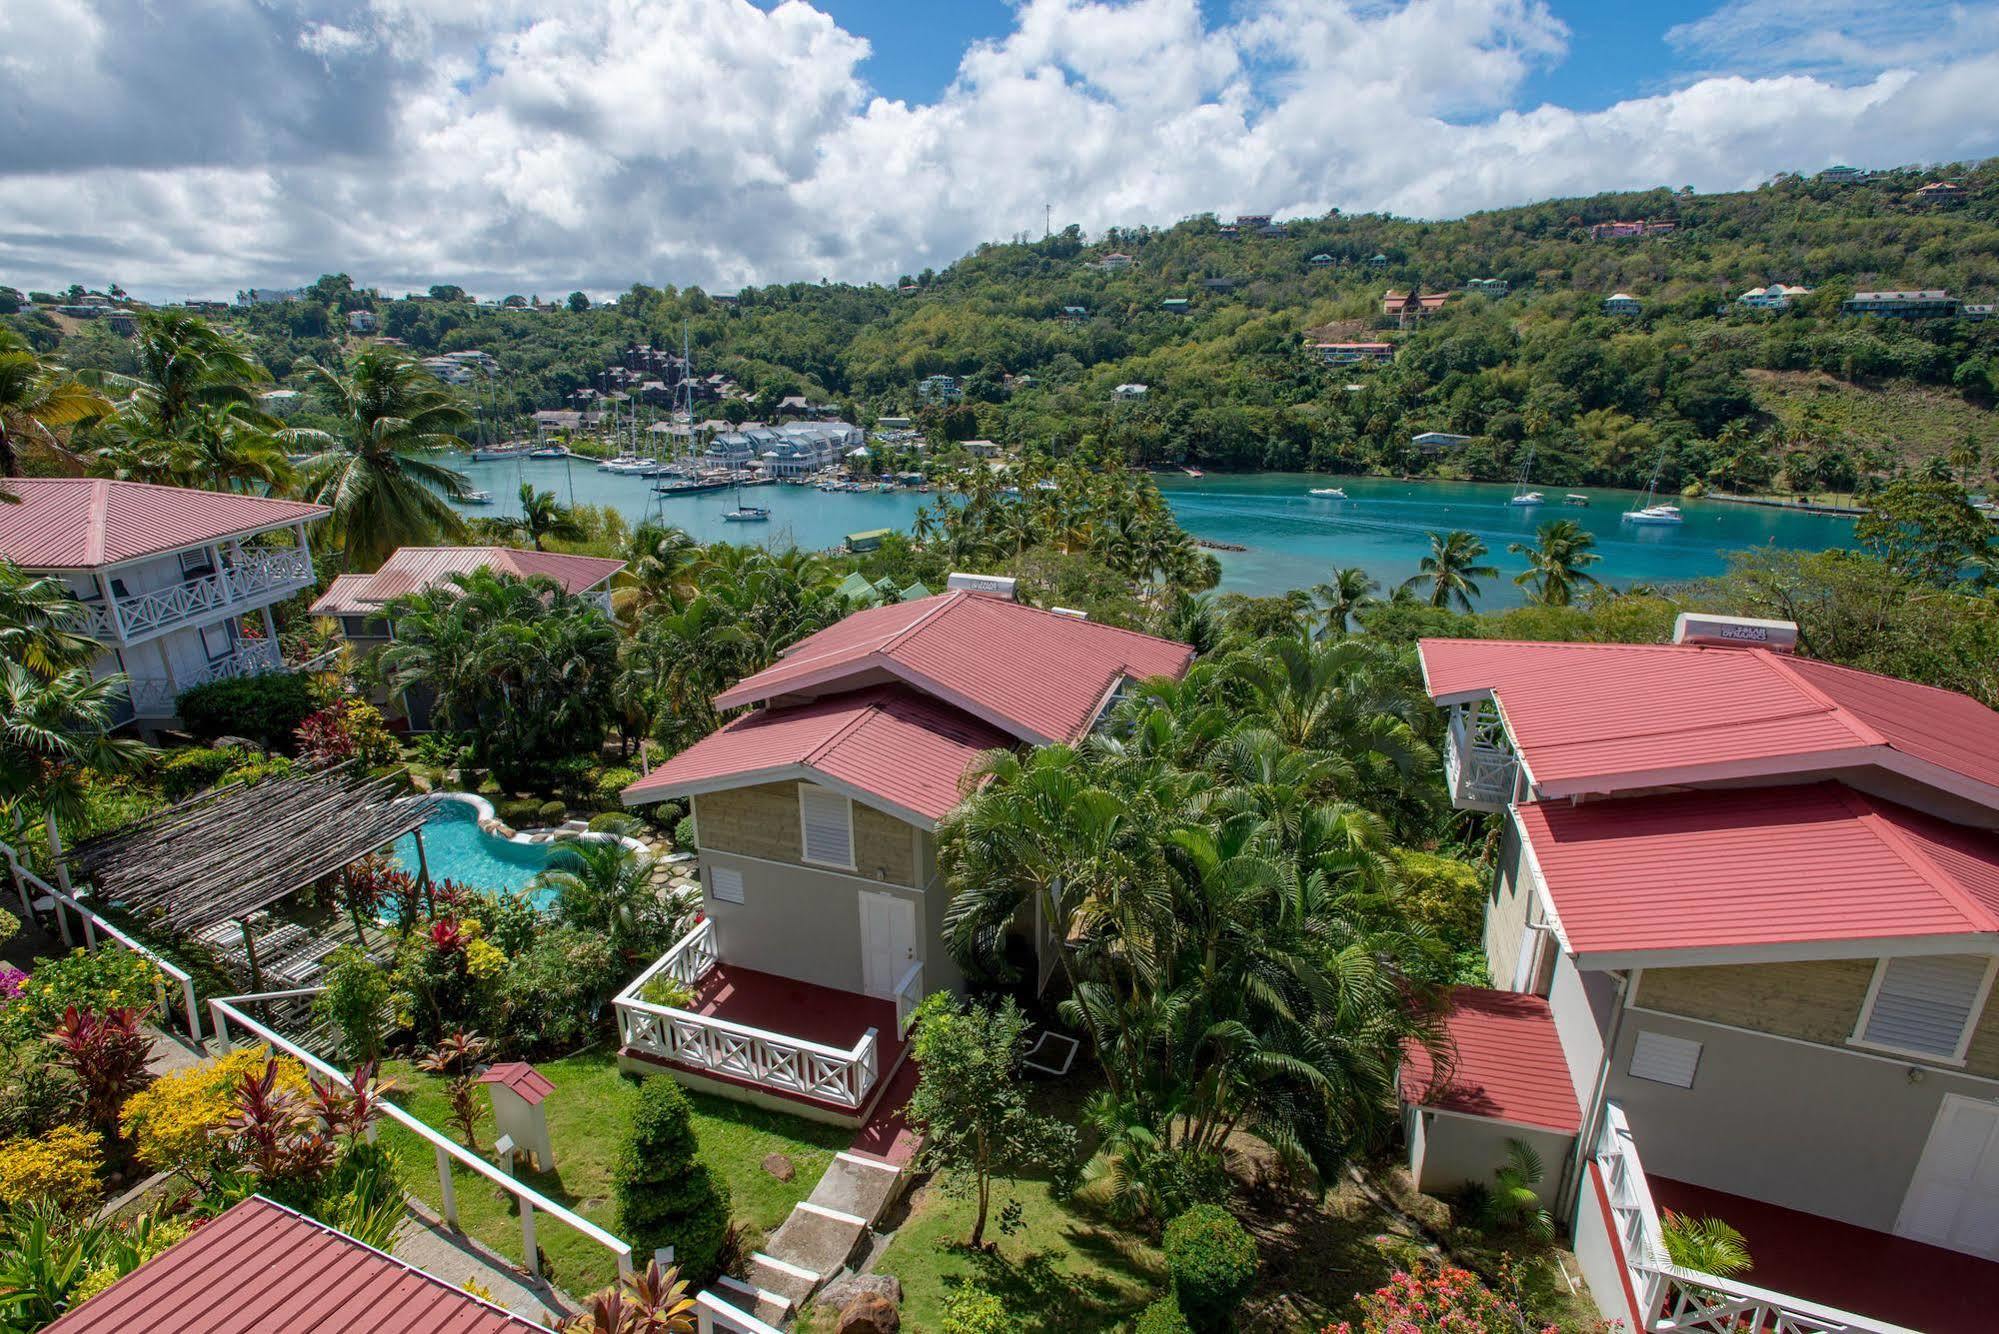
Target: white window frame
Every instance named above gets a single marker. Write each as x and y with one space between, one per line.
1957 1056
804 847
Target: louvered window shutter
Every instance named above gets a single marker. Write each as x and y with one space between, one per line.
826 822
1924 1004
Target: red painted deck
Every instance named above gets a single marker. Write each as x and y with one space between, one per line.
1854 1268
799 1010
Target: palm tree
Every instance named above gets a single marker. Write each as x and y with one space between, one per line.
606 886
543 516
37 398
1340 597
1555 564
1451 569
185 363
36 616
661 563
54 730
382 495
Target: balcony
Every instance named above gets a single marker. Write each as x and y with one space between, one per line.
1479 762
154 697
248 578
1870 1271
807 1045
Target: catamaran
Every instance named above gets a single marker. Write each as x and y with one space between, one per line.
1650 513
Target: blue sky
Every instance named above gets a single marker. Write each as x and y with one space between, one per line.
524 145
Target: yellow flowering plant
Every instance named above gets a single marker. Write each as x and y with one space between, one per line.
176 1122
59 1167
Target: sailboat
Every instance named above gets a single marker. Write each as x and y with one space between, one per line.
1650 513
745 513
1522 497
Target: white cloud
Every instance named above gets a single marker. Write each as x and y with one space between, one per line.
523 147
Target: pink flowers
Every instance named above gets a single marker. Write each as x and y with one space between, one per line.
11 979
1450 1301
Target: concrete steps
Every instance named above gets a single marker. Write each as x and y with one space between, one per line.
822 1235
770 1307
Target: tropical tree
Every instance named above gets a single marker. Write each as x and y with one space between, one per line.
1347 592
369 470
604 885
54 730
38 620
662 562
1556 561
1451 569
185 364
38 400
542 516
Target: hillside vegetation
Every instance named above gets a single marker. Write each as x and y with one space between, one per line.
1718 391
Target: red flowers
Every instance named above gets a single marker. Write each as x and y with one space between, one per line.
1451 1301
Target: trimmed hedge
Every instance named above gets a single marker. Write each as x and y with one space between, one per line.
182 773
665 1194
1162 1317
610 783
683 834
1212 1262
267 708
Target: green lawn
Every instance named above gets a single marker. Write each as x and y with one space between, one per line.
587 1114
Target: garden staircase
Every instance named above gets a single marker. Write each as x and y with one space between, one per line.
820 1237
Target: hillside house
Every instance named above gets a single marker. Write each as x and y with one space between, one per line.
1975 311
1218 284
1844 175
1438 442
816 814
1626 230
1376 261
281 402
1752 900
1488 286
1407 309
1321 261
1176 305
361 321
1074 313
177 585
1776 296
1129 391
1354 354
1938 193
939 389
1114 262
1919 304
357 603
1623 304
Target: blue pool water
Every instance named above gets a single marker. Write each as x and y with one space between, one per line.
457 849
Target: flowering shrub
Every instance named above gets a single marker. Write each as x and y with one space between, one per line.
106 980
1450 1301
347 729
177 1123
11 979
59 1167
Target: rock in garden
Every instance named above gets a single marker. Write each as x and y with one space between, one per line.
779 1166
841 1292
869 1314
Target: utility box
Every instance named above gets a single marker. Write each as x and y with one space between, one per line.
518 1091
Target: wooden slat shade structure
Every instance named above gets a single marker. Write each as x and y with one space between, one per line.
226 853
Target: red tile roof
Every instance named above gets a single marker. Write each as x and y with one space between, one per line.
903 749
81 523
262 1269
1039 675
530 1083
1604 717
1505 1063
1812 863
414 569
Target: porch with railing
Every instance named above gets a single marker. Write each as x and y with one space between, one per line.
244 579
155 697
762 1031
1669 1298
1479 762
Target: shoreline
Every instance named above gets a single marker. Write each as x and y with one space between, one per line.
1805 507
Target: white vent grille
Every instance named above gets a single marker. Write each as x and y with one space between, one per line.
826 824
725 884
1925 1004
1665 1059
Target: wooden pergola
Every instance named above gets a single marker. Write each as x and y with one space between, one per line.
227 853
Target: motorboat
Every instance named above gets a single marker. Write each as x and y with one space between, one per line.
549 452
1330 492
477 498
1527 498
623 463
1657 515
1577 499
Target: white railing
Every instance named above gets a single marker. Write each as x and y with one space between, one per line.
908 995
247 575
705 1042
711 1313
1477 763
155 697
93 927
1674 1299
223 1011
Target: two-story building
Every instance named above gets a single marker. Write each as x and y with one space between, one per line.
177 584
1913 304
1408 308
1354 354
1623 305
816 815
1776 296
1752 900
358 603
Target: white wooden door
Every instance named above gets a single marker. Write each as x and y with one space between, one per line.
1953 1200
888 941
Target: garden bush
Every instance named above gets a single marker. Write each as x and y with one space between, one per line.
609 820
683 834
106 980
517 813
258 769
58 1168
1212 1262
973 1310
177 1122
551 996
182 773
1447 1302
665 1194
1162 1317
610 783
552 812
347 729
356 993
267 708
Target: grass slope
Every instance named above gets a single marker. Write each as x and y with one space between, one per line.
587 1115
1912 421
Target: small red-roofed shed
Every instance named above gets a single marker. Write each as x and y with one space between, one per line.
518 1090
1502 1077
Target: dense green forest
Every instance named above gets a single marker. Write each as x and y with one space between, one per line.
1804 399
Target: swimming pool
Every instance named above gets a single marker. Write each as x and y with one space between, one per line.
458 849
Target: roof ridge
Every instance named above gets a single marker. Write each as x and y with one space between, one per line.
950 598
1852 721
1868 813
98 519
864 715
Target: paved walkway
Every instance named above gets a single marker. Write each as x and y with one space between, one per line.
425 1242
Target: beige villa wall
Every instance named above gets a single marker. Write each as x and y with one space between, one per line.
1815 1001
1506 914
762 821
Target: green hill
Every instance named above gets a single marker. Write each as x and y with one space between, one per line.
1732 396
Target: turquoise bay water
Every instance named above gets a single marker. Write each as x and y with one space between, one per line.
457 849
1294 539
